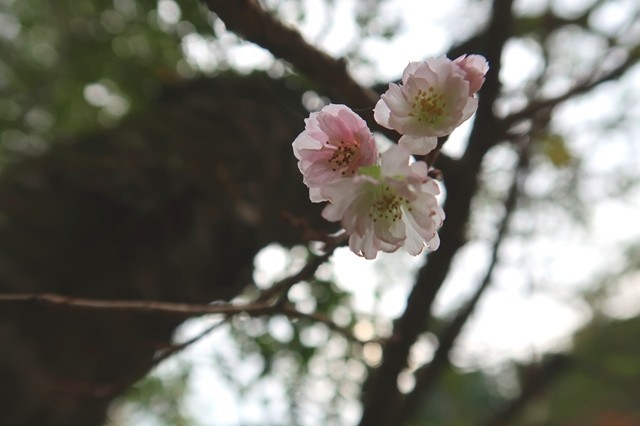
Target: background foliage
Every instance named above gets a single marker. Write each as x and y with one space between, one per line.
146 155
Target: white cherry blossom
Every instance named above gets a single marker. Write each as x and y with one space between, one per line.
386 207
334 144
434 98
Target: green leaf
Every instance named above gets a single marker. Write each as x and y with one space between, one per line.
555 150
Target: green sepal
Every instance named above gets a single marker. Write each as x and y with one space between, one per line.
373 171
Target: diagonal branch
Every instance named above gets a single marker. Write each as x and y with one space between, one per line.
281 288
250 20
427 376
536 379
257 25
580 88
461 185
110 390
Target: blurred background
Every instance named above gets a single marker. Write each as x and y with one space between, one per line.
145 154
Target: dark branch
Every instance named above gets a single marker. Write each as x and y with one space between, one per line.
250 20
544 104
427 376
461 185
110 390
184 310
281 288
537 377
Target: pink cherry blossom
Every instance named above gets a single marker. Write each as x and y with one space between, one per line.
387 207
432 101
475 67
334 144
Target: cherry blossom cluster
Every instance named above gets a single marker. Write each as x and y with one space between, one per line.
385 201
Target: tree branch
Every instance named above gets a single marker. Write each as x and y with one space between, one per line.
271 301
110 390
461 184
537 377
250 20
427 376
184 310
281 288
317 317
580 88
268 300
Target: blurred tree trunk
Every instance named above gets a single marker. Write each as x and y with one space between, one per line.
172 205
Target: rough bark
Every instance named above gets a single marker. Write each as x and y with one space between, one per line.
172 205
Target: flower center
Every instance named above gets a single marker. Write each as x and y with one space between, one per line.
387 205
428 106
343 157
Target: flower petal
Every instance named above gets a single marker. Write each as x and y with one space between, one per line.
395 161
419 145
335 143
381 114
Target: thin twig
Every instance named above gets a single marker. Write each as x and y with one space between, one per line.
271 301
162 355
580 88
263 305
282 287
168 351
141 306
318 317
